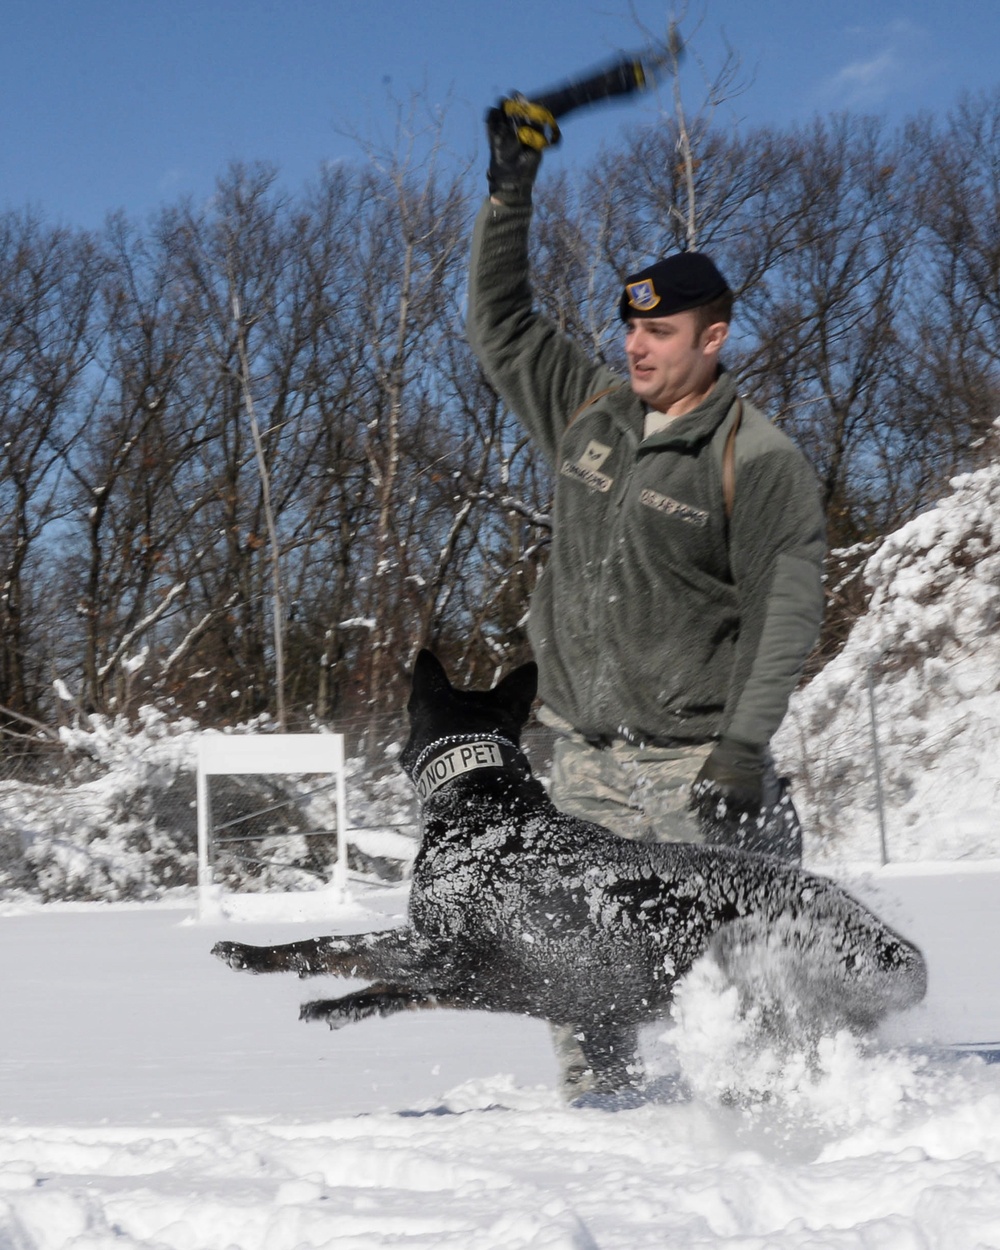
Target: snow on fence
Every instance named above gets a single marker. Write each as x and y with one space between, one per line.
261 755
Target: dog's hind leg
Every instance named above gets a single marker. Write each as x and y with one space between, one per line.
611 1052
376 1000
388 954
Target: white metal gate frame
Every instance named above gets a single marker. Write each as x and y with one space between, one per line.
221 754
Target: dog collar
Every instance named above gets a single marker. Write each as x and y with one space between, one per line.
470 752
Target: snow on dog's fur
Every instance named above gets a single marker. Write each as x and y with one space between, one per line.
518 907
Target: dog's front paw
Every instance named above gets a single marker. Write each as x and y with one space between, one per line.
331 1011
239 956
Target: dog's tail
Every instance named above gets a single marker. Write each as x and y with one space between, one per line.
824 972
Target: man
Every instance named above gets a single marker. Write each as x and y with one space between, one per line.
682 592
677 608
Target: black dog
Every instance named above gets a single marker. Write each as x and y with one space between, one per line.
518 907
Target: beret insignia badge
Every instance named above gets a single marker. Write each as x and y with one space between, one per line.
642 294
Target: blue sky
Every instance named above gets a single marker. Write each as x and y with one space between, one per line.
132 104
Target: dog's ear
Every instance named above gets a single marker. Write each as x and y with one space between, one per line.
429 678
518 689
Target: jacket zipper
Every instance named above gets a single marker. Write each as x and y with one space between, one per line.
594 702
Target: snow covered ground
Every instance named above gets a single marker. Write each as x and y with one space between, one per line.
149 1096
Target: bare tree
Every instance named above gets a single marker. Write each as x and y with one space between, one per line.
49 280
125 469
415 239
956 177
250 463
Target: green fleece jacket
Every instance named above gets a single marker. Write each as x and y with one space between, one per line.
653 615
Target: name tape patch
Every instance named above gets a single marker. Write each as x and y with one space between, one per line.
461 759
682 511
589 477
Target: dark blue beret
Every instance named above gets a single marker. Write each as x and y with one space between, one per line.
685 280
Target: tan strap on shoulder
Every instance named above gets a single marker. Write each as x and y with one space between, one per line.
592 400
729 461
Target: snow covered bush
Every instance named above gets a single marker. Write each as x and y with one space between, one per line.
926 658
121 823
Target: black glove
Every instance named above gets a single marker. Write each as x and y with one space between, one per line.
732 774
513 164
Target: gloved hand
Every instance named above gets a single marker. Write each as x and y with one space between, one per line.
513 164
734 774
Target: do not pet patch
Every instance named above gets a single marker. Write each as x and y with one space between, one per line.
461 759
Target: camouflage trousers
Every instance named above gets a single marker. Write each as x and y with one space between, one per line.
638 792
643 793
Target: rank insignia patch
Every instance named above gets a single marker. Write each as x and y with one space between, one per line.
594 455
